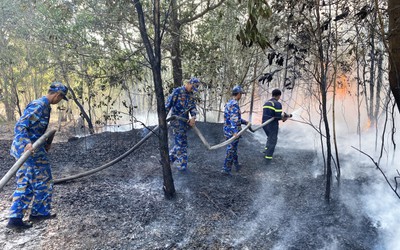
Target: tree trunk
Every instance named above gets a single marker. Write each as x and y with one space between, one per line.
205 103
379 85
358 90
10 102
394 49
155 61
253 86
81 108
378 93
176 59
372 72
323 89
335 76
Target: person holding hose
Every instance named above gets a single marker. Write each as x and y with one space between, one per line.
272 109
232 125
181 102
34 179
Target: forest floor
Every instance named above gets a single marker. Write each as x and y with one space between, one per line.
275 206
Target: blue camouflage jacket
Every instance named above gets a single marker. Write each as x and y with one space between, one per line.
181 103
233 118
31 125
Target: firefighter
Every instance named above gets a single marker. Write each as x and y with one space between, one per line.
34 179
232 126
181 102
272 108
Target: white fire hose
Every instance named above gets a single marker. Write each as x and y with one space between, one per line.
50 134
196 130
47 137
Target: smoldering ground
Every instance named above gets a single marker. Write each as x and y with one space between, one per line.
276 206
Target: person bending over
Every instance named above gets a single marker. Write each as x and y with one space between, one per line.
34 179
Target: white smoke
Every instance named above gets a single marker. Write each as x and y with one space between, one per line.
382 206
378 201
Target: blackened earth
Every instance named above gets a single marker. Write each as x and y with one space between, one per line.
275 206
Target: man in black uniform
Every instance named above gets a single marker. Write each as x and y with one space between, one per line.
272 109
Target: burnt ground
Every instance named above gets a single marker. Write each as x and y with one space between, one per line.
276 206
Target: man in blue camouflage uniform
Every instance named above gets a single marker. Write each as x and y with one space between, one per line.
181 102
272 108
34 179
232 126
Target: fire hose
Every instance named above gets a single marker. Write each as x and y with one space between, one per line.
49 134
119 158
195 129
46 137
137 145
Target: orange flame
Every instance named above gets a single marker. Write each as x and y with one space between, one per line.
342 85
368 124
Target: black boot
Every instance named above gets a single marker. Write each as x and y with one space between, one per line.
41 217
18 224
238 167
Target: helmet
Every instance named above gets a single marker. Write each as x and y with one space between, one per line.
237 89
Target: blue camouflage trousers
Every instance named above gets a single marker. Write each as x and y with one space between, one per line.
179 152
34 180
231 158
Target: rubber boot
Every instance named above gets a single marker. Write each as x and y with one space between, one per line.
18 224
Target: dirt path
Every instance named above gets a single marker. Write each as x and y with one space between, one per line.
279 206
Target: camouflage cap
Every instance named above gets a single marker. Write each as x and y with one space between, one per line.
237 89
58 87
195 82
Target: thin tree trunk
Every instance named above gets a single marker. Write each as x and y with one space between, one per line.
205 103
394 49
378 93
364 72
155 61
379 85
323 89
176 46
358 90
372 73
253 86
219 108
81 108
10 99
333 105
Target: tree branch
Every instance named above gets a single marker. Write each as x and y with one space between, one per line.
377 166
201 14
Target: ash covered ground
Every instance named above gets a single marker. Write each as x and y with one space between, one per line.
276 206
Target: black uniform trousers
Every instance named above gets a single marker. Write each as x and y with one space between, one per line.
271 130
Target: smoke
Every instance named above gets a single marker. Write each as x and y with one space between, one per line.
376 199
382 206
269 207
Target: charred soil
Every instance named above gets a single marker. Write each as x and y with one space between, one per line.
279 205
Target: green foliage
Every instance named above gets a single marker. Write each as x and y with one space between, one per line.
213 54
250 34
